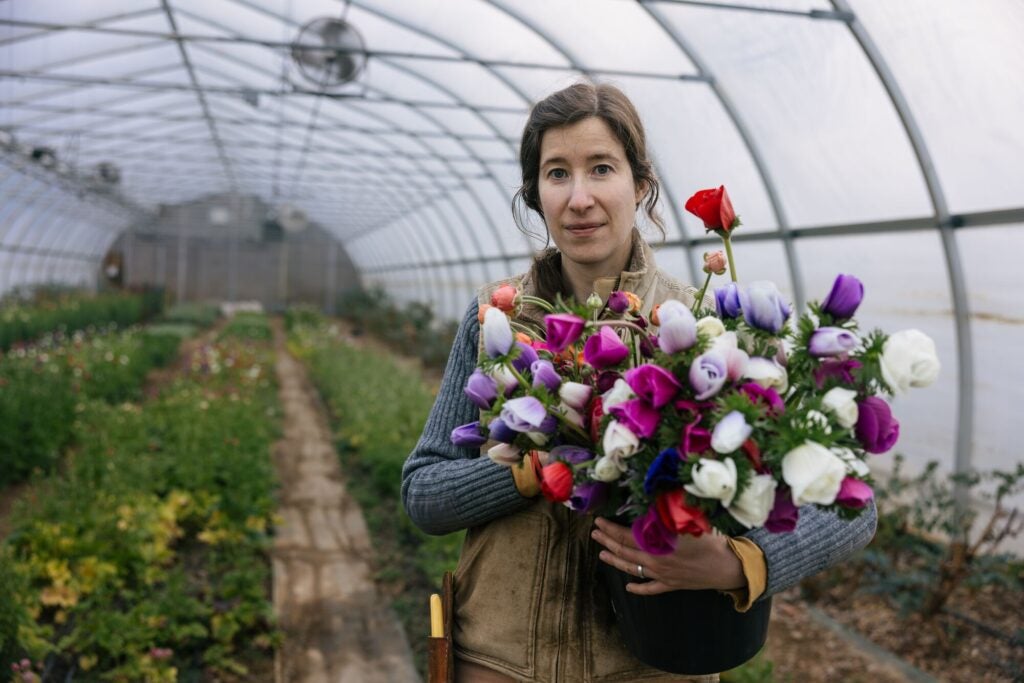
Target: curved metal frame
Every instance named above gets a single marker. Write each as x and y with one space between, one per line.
945 225
412 239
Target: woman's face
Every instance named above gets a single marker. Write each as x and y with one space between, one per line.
588 195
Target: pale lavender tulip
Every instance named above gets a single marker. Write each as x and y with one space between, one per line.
481 390
678 330
727 300
524 414
575 395
527 356
497 333
544 375
730 433
708 374
763 306
468 435
831 341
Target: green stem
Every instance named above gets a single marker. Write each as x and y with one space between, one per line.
728 254
537 301
619 323
519 327
700 297
519 378
571 425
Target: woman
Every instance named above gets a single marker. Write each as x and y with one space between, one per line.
528 606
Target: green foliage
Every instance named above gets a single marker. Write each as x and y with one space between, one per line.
64 312
41 386
410 330
13 615
757 670
297 316
254 326
147 555
380 407
199 314
36 410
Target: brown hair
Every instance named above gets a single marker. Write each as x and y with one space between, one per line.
563 108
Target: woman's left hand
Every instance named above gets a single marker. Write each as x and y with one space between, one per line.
697 563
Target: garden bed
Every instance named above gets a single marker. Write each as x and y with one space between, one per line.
146 557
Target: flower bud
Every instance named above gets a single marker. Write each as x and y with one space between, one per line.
710 327
618 302
714 262
504 298
497 333
594 302
844 298
714 479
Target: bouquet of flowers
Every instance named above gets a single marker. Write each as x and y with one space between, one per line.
695 418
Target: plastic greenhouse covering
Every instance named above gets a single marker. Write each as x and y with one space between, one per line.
874 137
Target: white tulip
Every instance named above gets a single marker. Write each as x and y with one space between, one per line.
736 359
574 394
814 474
619 393
619 442
607 468
909 360
571 414
497 333
714 479
505 454
710 327
504 377
730 433
752 507
768 373
841 403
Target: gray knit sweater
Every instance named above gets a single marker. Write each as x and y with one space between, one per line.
446 488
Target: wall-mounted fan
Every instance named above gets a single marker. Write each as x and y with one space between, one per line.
329 52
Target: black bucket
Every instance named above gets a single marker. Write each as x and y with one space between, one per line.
686 632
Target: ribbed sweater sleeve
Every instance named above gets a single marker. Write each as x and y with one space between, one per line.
819 541
446 488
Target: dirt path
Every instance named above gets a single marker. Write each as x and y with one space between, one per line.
337 628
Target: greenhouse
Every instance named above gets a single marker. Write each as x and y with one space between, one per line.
741 277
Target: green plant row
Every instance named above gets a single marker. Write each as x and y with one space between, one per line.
68 312
192 313
146 558
40 386
244 325
410 330
378 409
